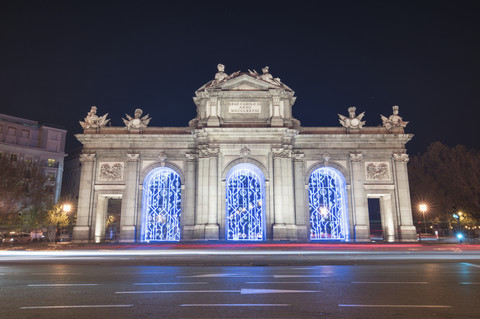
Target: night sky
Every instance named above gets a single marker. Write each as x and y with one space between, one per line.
57 58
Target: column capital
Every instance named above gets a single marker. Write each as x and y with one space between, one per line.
133 157
205 151
356 157
400 157
191 157
87 157
298 156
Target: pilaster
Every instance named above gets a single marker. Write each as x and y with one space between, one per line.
82 232
402 193
359 196
129 200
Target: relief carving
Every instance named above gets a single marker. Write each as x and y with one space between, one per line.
245 151
377 171
136 122
111 172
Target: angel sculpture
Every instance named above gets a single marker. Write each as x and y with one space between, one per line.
92 120
394 120
136 122
352 121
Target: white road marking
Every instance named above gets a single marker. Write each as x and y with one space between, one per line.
390 282
56 273
60 285
470 283
173 291
223 275
77 306
472 265
398 306
283 282
235 305
169 283
273 291
300 276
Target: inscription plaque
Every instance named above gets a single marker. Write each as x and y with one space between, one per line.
244 107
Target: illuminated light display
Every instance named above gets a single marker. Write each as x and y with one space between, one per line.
161 205
245 198
328 205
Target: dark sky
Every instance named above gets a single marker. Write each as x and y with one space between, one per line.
57 58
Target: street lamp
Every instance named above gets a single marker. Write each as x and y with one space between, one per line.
67 208
423 208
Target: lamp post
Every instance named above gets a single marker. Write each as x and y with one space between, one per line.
423 209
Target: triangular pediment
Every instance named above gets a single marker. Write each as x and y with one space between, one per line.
243 82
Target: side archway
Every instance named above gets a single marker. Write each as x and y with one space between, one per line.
245 203
161 205
328 205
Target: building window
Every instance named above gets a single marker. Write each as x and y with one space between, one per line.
51 162
328 205
13 157
161 206
51 177
245 203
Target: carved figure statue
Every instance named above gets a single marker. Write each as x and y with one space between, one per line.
353 121
266 76
136 122
394 120
221 75
92 120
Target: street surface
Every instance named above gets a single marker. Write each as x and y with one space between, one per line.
403 282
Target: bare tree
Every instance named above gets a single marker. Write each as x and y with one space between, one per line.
448 178
22 186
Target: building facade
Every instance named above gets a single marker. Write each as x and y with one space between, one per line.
40 144
243 170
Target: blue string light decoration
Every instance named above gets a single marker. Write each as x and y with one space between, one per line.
245 202
161 205
328 205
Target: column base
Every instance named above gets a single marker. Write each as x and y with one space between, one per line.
284 232
362 233
81 234
188 233
211 232
276 121
408 234
127 234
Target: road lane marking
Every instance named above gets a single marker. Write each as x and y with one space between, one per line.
169 283
469 283
301 276
60 285
470 264
56 273
274 291
77 306
390 282
222 276
173 291
235 305
242 291
397 306
283 282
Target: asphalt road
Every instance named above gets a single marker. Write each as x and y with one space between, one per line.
114 288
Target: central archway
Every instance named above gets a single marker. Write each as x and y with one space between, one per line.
161 206
245 203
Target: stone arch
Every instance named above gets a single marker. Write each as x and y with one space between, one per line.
237 161
341 169
145 171
328 204
245 214
161 205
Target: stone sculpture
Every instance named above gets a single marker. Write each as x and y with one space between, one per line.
221 76
394 120
92 120
353 121
136 122
266 76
